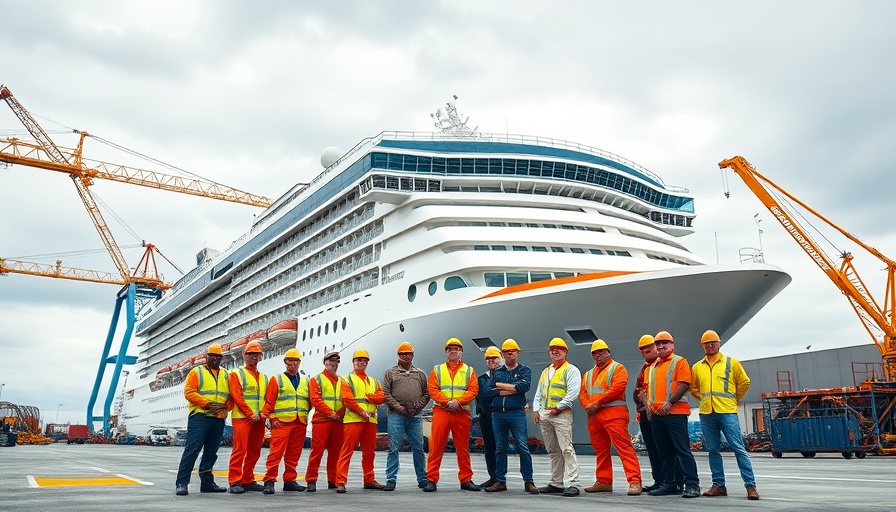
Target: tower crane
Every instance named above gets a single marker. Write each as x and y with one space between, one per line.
877 317
144 283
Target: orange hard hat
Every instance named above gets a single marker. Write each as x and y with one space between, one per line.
215 349
710 336
253 346
405 347
663 336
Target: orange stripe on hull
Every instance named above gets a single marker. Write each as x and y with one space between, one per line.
517 288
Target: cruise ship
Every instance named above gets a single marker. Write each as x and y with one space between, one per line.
422 237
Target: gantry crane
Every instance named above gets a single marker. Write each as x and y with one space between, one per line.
877 318
144 283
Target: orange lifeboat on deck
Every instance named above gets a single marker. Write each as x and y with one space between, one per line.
237 346
284 333
200 360
164 373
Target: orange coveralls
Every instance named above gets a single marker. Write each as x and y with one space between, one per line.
363 432
326 434
248 436
445 421
609 423
287 438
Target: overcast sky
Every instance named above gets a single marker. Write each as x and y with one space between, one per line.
249 93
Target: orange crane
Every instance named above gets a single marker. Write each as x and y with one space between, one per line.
877 317
45 154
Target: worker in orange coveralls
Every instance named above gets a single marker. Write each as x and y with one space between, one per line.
360 394
286 404
325 394
452 386
247 388
603 397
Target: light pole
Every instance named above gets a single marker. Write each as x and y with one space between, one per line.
57 413
1 389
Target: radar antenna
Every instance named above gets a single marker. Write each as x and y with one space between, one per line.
449 122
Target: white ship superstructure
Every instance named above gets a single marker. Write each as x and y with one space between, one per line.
424 236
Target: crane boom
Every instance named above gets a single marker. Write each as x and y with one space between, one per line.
878 319
57 271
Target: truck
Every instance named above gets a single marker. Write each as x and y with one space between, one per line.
157 436
77 434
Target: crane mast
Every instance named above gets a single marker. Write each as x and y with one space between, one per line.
878 319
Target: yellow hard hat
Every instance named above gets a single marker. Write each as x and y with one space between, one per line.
253 346
663 336
215 349
492 352
454 342
710 336
360 353
558 342
292 354
598 345
645 341
405 347
509 344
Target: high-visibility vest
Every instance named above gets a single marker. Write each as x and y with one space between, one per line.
651 382
553 389
253 392
601 385
718 391
214 388
456 387
360 389
291 402
330 393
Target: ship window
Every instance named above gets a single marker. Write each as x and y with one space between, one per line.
432 288
335 324
578 250
318 330
304 334
499 248
596 251
559 275
484 343
412 292
494 279
311 333
454 282
623 253
564 226
343 323
453 166
515 224
539 276
582 336
531 225
557 249
478 223
550 226
514 278
327 328
538 248
520 248
497 224
480 247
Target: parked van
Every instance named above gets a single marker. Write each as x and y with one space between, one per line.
157 436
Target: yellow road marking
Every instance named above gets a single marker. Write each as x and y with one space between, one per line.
82 480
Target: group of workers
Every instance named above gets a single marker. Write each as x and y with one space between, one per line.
345 416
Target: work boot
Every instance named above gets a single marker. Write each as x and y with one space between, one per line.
664 490
430 487
691 491
340 488
312 487
752 494
181 490
390 486
571 491
236 489
293 486
253 486
651 487
496 487
331 485
207 483
470 486
550 489
634 489
531 489
488 483
268 487
716 490
600 487
373 484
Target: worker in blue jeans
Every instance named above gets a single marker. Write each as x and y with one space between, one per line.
507 390
720 382
405 389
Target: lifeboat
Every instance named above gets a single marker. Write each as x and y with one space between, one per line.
284 333
199 360
164 373
237 346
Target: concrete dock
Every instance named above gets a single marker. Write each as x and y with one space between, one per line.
115 478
